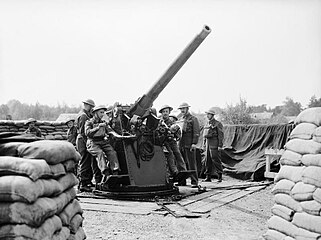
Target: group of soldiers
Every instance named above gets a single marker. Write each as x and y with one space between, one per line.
99 159
89 133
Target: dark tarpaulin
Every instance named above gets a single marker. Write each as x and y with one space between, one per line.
244 145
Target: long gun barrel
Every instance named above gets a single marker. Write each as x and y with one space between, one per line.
146 101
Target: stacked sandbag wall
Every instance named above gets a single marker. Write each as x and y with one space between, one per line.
297 190
50 130
37 191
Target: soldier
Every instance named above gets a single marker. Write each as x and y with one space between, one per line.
72 131
187 144
175 160
32 129
213 141
98 144
87 165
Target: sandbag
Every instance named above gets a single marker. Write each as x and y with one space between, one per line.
68 181
52 151
63 234
290 158
283 186
302 234
80 235
302 191
69 212
75 223
57 170
23 189
292 173
10 148
288 238
311 160
309 115
308 222
312 207
283 212
312 175
279 224
34 214
303 131
317 135
34 169
45 231
317 195
273 235
287 201
303 146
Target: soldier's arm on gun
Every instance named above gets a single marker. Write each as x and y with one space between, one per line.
90 130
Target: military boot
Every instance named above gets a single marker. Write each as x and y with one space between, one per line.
220 177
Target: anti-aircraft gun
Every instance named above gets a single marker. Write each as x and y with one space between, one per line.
141 158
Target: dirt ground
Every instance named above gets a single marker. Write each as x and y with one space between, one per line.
245 218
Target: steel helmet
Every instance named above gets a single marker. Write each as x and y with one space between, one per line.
184 105
99 107
173 116
30 120
109 109
165 106
89 102
70 119
211 111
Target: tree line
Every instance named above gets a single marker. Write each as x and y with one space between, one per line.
240 113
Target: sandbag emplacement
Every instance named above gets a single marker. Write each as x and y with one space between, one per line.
50 150
297 208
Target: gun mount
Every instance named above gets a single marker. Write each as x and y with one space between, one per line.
142 160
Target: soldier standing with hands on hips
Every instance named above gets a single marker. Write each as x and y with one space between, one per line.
213 141
187 144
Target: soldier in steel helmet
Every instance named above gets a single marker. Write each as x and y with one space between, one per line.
97 131
175 160
213 140
187 144
72 131
87 165
32 129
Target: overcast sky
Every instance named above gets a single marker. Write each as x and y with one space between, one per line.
67 51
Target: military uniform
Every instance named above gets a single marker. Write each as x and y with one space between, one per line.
213 139
190 135
175 160
72 135
87 165
33 130
99 146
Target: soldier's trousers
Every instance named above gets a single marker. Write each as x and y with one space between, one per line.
175 153
213 159
105 155
190 161
87 165
170 160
